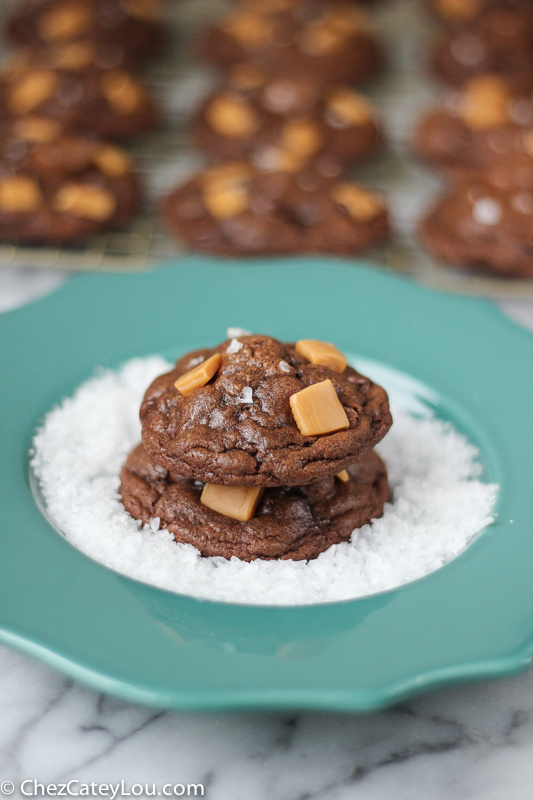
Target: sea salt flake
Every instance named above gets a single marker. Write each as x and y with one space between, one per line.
246 396
487 211
234 347
284 367
193 362
234 333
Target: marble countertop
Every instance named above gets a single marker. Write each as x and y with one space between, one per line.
473 742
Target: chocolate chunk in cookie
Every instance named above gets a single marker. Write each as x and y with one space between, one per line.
500 41
127 26
59 188
486 220
238 428
268 121
324 42
485 122
66 84
235 209
289 523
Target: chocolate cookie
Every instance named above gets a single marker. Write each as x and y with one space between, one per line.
459 12
277 120
58 188
234 209
320 41
500 41
296 523
129 26
486 220
67 85
240 428
478 127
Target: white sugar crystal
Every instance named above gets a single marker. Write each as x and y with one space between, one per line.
193 362
438 505
234 346
246 396
284 367
487 211
234 333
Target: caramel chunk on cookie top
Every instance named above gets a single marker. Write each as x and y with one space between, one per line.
239 428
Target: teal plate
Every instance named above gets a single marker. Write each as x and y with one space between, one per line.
473 618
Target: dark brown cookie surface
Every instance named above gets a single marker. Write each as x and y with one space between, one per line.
480 125
486 221
239 428
459 12
237 210
290 522
67 85
57 187
277 120
128 25
325 42
500 41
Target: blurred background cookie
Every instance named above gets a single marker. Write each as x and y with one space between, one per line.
235 209
286 123
66 84
131 25
58 187
321 41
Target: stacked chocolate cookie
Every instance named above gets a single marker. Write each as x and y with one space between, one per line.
482 137
67 91
259 449
286 124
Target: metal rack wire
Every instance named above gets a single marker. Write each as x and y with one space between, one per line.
164 157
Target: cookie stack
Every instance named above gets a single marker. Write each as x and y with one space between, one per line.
280 133
482 137
259 449
64 94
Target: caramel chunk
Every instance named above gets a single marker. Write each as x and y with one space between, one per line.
246 76
237 502
66 21
319 40
485 102
321 353
347 108
199 376
144 9
317 410
113 161
277 159
251 30
37 129
458 9
230 116
124 94
301 137
86 202
225 190
75 55
19 195
363 206
31 90
343 475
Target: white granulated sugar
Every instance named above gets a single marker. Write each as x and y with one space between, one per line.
234 333
284 367
234 346
247 395
438 504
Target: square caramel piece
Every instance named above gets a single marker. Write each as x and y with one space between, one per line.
237 502
199 376
322 353
317 410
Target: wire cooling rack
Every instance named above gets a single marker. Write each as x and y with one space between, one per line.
164 157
